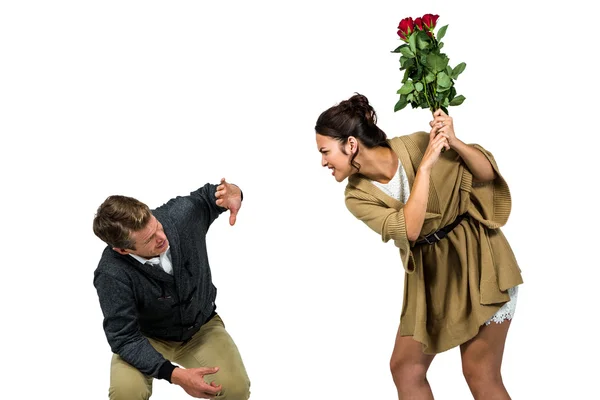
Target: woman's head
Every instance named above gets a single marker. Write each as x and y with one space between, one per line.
342 130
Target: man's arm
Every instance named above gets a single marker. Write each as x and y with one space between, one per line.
120 325
121 328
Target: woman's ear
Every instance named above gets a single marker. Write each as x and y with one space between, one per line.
352 145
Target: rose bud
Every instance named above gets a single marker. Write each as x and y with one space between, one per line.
429 20
406 28
419 23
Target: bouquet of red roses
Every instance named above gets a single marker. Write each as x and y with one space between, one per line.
428 78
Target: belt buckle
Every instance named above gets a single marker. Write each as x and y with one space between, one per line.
434 234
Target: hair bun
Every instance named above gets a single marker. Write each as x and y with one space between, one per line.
359 106
352 117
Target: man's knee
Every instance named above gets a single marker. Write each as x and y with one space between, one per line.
129 391
234 388
127 382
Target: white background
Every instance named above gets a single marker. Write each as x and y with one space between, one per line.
153 99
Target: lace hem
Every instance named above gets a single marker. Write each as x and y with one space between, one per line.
507 311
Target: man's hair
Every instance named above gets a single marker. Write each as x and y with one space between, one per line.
117 217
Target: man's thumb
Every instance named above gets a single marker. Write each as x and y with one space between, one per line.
208 370
232 217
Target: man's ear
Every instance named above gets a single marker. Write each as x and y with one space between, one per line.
122 251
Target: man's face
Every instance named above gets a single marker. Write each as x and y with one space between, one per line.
150 241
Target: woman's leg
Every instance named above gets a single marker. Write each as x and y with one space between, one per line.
482 361
409 367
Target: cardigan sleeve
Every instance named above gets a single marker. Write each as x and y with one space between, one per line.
122 331
386 221
490 202
198 208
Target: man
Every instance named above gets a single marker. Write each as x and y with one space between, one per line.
156 293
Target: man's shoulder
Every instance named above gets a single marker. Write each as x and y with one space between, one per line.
176 208
114 264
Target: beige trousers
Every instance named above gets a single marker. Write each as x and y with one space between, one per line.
211 346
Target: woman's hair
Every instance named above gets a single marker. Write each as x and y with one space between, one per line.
352 117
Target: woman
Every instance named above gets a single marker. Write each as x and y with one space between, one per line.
443 209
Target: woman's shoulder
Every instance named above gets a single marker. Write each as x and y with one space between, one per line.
418 140
419 136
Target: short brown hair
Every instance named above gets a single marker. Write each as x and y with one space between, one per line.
117 217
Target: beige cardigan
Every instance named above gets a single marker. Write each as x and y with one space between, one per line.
452 287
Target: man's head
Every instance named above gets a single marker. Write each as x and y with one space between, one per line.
128 226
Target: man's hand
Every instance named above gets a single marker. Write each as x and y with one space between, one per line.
192 381
229 196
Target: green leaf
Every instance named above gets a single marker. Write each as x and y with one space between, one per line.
405 77
406 52
443 80
397 50
412 42
401 103
449 70
442 32
406 88
418 73
403 61
430 77
436 62
410 97
423 40
419 87
452 93
458 100
407 63
458 70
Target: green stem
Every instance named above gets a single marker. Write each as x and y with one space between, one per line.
434 107
426 97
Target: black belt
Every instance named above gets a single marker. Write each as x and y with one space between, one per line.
440 234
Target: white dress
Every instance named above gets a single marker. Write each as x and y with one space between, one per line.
398 189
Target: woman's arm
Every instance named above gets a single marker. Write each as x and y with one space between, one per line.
477 163
416 205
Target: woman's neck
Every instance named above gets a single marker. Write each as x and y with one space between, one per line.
378 164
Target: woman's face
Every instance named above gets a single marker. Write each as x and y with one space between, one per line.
335 156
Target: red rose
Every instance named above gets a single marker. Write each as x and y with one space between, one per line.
419 23
405 28
429 21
